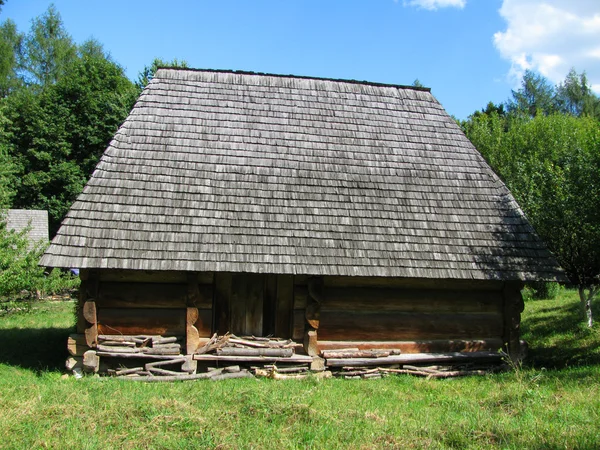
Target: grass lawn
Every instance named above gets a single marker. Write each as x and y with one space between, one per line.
552 402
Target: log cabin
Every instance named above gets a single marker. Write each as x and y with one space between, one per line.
337 213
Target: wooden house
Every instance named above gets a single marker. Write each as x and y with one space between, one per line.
334 212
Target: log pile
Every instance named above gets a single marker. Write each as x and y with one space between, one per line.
117 345
429 372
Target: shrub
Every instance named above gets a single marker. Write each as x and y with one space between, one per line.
542 290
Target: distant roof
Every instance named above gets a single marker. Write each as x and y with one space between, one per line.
19 219
243 172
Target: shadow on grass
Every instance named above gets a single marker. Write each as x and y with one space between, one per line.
38 349
559 338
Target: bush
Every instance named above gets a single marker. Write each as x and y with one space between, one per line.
541 290
20 276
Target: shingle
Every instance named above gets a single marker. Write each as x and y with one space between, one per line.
224 171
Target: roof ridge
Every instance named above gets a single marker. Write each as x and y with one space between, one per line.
300 77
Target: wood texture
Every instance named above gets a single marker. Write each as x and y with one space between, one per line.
300 297
407 326
416 358
299 324
77 344
311 347
233 351
411 300
416 283
170 322
222 302
153 295
91 335
284 307
513 307
290 359
420 346
89 312
192 335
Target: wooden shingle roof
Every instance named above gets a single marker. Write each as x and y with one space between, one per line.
243 172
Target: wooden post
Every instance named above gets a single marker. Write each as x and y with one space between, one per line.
311 346
513 307
191 333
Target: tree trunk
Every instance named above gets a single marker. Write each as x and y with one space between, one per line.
586 303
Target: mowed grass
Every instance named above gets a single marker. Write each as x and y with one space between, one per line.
553 402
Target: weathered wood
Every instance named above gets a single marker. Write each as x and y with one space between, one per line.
162 351
416 358
74 361
89 312
416 283
91 361
190 365
91 335
169 378
411 300
231 369
222 302
204 322
269 304
153 295
300 297
117 343
358 354
161 371
77 344
128 371
166 362
136 355
350 325
142 321
291 359
420 346
160 340
513 307
311 345
284 307
142 276
192 340
299 324
317 364
117 349
313 314
234 351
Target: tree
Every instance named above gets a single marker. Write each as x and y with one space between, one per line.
574 96
535 96
551 164
10 48
148 72
47 50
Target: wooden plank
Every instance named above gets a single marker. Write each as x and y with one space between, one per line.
142 276
284 307
153 295
222 302
513 307
91 335
270 302
417 283
349 325
420 346
416 358
299 324
411 300
290 359
166 322
254 304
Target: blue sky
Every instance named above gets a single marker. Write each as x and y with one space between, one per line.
468 51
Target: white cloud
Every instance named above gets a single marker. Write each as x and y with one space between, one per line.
432 5
551 36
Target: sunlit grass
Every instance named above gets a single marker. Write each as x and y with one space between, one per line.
529 408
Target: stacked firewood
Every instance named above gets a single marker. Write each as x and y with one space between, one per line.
288 373
117 345
428 372
231 345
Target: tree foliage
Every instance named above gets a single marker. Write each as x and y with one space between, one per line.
148 72
71 101
551 163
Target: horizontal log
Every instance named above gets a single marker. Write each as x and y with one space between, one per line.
180 377
349 325
416 358
137 355
291 359
231 375
151 295
417 283
410 300
421 346
146 321
148 276
118 349
376 353
234 351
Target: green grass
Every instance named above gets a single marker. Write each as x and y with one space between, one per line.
530 408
